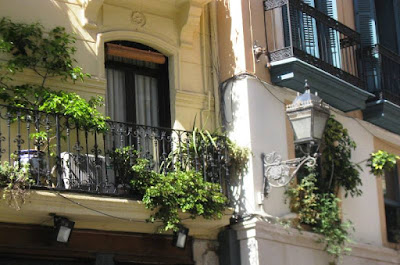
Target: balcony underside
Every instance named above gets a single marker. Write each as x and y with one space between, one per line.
100 213
385 114
342 95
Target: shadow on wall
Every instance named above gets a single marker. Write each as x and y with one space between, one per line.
226 33
230 109
68 15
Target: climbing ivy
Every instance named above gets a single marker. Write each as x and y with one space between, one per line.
315 198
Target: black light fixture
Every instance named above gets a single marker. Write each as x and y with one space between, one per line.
308 115
180 237
63 227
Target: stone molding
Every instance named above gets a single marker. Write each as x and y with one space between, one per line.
194 100
188 19
256 229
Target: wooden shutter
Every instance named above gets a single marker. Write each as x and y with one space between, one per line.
366 21
309 37
396 8
331 43
365 16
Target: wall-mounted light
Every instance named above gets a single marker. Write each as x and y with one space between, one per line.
63 227
258 51
180 237
307 115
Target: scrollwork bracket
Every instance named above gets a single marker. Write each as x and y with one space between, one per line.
278 173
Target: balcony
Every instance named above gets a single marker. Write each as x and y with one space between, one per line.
304 43
77 172
382 70
67 157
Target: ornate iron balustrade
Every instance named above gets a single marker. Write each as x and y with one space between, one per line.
382 73
64 156
295 29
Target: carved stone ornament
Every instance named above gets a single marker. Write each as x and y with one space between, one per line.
138 19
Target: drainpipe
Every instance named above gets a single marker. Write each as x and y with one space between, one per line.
215 60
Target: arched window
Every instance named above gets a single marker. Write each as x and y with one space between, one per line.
137 84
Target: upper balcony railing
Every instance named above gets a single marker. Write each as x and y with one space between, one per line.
382 73
295 29
64 156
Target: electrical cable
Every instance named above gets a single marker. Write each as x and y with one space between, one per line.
100 212
113 216
265 85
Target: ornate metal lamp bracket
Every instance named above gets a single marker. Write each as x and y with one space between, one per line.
278 173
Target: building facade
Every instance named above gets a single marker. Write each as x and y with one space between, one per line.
169 65
346 50
152 62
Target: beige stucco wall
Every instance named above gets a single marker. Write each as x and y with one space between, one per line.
179 29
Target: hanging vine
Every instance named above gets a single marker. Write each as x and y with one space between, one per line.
315 198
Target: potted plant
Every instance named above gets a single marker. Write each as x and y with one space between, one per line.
48 56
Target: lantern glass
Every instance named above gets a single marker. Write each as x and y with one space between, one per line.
63 234
308 115
302 124
180 237
320 119
63 227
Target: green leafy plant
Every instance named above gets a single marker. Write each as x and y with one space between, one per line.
176 191
382 161
48 55
202 138
315 199
321 212
337 168
16 181
168 194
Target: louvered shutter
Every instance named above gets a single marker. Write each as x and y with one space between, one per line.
309 37
366 21
365 17
396 7
330 43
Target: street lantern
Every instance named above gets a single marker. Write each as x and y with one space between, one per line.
63 227
180 237
308 115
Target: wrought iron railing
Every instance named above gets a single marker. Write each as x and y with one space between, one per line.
382 73
64 156
295 29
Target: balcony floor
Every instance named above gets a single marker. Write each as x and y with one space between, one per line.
82 209
383 113
342 95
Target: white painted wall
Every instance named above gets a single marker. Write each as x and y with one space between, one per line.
257 120
363 211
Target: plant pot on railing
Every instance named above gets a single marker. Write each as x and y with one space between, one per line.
36 160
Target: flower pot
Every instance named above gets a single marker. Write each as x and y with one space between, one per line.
36 160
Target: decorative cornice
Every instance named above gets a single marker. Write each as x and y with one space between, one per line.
90 12
190 14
